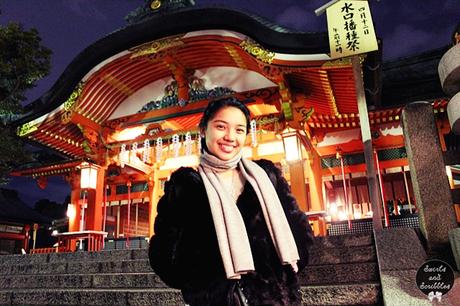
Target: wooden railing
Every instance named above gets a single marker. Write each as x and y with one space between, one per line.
49 250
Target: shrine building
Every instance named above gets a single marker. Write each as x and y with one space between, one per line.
125 114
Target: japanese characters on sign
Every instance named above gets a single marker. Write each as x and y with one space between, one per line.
350 27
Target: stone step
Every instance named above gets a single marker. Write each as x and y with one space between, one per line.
99 264
340 274
345 294
350 254
358 294
101 280
106 255
351 240
91 267
312 275
166 297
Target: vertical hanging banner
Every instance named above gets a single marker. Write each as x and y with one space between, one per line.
350 28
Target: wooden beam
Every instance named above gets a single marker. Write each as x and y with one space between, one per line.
77 118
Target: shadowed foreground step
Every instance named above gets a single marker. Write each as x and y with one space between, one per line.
357 294
156 296
343 270
348 294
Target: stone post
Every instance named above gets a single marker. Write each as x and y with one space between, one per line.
428 173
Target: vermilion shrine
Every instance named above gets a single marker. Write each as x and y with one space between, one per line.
127 110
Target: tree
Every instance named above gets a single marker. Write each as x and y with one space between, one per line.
51 209
23 61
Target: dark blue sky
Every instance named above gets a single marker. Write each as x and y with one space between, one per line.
69 26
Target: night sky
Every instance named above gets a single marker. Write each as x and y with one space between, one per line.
68 26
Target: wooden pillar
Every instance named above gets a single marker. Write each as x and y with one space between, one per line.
95 198
154 190
315 184
74 221
298 183
367 143
118 219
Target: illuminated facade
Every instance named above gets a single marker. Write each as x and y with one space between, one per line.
130 104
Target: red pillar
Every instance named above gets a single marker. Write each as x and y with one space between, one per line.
74 221
95 200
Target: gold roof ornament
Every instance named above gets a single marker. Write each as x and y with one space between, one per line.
26 129
258 51
69 104
156 4
156 46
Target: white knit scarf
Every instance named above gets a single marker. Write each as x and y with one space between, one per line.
230 229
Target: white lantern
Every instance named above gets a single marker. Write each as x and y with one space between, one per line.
71 213
291 144
88 176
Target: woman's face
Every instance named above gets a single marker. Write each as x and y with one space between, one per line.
225 133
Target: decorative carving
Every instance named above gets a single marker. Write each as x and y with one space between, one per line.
301 114
69 104
91 143
264 93
26 129
156 4
272 72
113 124
196 91
256 50
66 117
267 122
156 46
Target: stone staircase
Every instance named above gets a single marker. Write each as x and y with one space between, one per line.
343 271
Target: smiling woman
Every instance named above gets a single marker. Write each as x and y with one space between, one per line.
224 129
230 233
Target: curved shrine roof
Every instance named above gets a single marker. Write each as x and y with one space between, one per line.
109 85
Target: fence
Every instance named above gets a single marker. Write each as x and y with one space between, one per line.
365 225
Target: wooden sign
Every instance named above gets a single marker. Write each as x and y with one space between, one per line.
350 28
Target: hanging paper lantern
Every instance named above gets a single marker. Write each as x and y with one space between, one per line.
133 149
175 145
146 153
253 126
122 156
188 144
159 149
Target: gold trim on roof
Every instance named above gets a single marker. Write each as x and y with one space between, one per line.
256 50
156 46
69 104
343 61
236 57
340 62
155 4
26 129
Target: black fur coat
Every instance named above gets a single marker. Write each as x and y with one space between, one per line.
185 254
